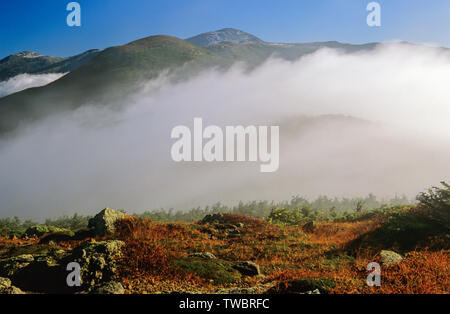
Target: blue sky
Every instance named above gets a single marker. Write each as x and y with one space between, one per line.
41 25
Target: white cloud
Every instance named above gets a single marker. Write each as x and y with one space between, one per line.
93 158
24 81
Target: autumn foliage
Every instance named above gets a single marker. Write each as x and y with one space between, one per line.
332 256
287 256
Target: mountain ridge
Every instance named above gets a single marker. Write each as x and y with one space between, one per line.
106 76
31 62
231 35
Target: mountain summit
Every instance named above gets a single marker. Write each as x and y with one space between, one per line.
108 76
28 54
230 35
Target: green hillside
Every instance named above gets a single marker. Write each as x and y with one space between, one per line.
35 63
256 53
71 63
108 76
25 62
236 45
229 35
141 59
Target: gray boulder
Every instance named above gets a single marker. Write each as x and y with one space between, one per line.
112 287
390 258
7 288
5 283
97 261
47 273
105 221
39 231
214 218
10 266
205 255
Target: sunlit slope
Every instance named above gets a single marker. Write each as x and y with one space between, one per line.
24 62
107 77
236 45
256 53
35 63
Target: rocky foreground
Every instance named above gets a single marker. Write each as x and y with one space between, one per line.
48 273
236 254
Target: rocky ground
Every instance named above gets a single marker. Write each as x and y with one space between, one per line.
220 254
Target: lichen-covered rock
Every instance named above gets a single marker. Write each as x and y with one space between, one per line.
312 285
105 221
5 283
112 287
258 289
217 271
10 266
390 258
217 227
44 274
7 288
313 292
39 231
206 255
214 218
97 262
11 290
47 273
248 268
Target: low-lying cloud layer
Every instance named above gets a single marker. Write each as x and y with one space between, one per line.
24 81
395 142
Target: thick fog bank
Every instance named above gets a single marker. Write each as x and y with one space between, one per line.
350 124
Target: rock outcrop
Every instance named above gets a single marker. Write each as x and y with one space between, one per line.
214 218
205 255
39 231
217 226
112 287
390 257
7 288
105 221
97 261
47 273
10 266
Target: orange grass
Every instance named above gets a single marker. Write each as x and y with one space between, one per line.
284 254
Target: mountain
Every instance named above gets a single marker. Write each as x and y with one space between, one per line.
71 63
236 45
112 74
253 54
229 35
141 59
25 62
34 63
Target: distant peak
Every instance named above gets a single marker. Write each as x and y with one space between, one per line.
231 35
156 39
28 54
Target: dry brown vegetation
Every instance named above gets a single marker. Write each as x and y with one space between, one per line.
331 257
285 254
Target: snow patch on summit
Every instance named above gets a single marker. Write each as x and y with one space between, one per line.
28 54
230 35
